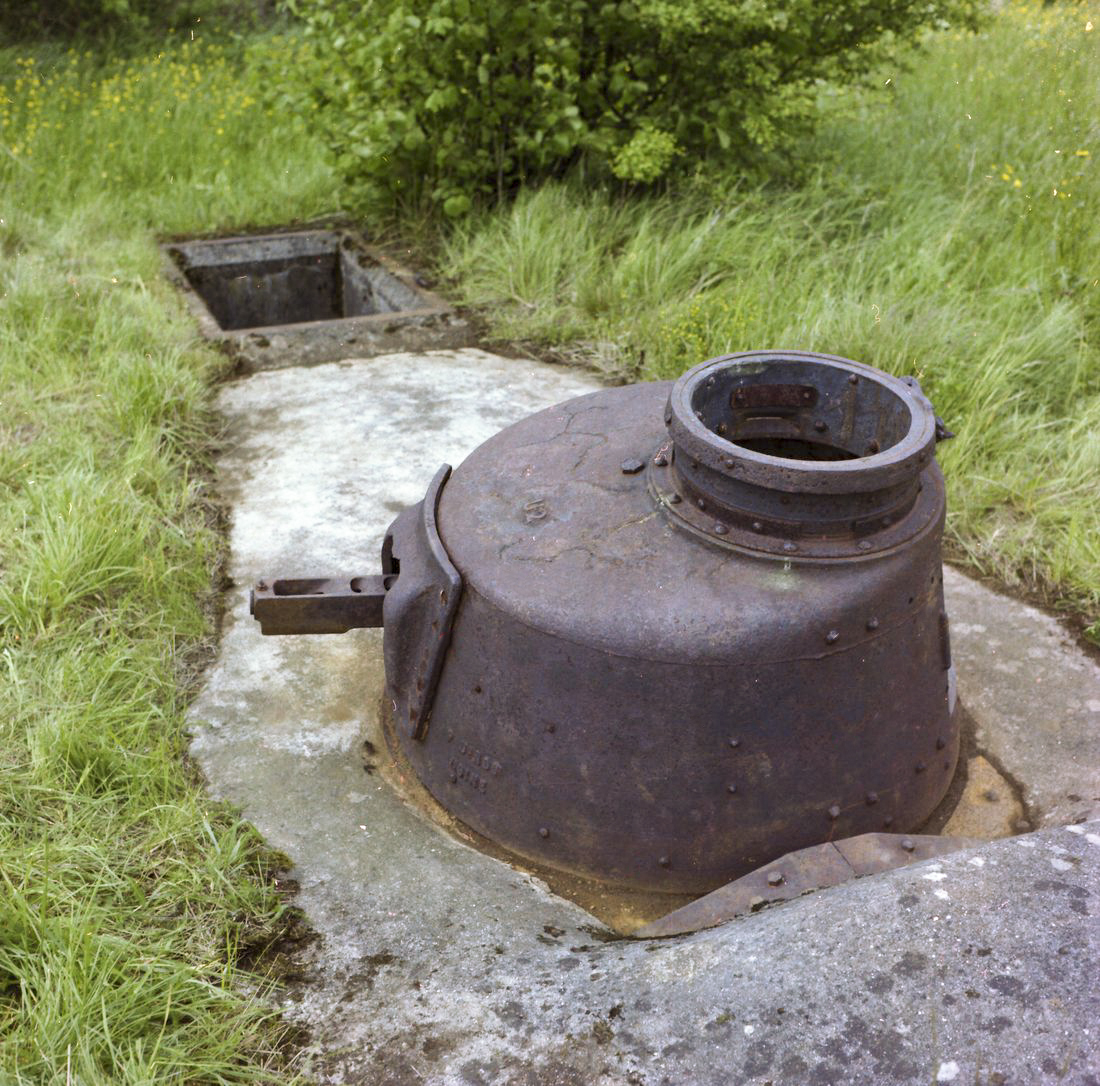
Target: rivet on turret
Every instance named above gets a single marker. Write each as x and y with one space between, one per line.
872 624
674 499
543 831
720 529
853 379
941 743
920 767
729 462
664 861
888 821
864 544
775 878
660 460
757 526
907 844
789 546
699 502
834 813
871 798
832 637
732 789
820 426
735 743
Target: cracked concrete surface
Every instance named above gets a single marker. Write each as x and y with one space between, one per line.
439 964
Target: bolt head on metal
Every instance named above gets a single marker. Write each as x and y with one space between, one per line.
872 624
907 844
543 831
632 466
660 460
775 878
735 743
832 637
834 813
871 798
663 861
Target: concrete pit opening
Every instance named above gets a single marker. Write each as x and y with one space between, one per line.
306 296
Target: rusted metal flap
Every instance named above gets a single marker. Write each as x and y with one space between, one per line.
419 609
790 876
799 873
870 853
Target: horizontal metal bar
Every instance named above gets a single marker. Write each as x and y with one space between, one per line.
318 604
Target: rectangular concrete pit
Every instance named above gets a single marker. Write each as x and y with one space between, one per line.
305 297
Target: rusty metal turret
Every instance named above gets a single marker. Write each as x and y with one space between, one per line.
659 635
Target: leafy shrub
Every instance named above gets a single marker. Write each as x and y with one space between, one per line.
443 102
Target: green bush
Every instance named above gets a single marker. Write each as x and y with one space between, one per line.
445 102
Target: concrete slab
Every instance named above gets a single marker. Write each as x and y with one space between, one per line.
1034 696
439 964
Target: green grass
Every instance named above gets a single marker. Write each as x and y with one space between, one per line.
911 247
126 896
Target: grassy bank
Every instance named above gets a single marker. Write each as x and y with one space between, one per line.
950 231
126 896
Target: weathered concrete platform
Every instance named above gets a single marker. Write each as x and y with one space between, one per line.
439 964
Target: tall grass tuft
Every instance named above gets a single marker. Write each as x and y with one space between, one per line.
950 231
126 896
